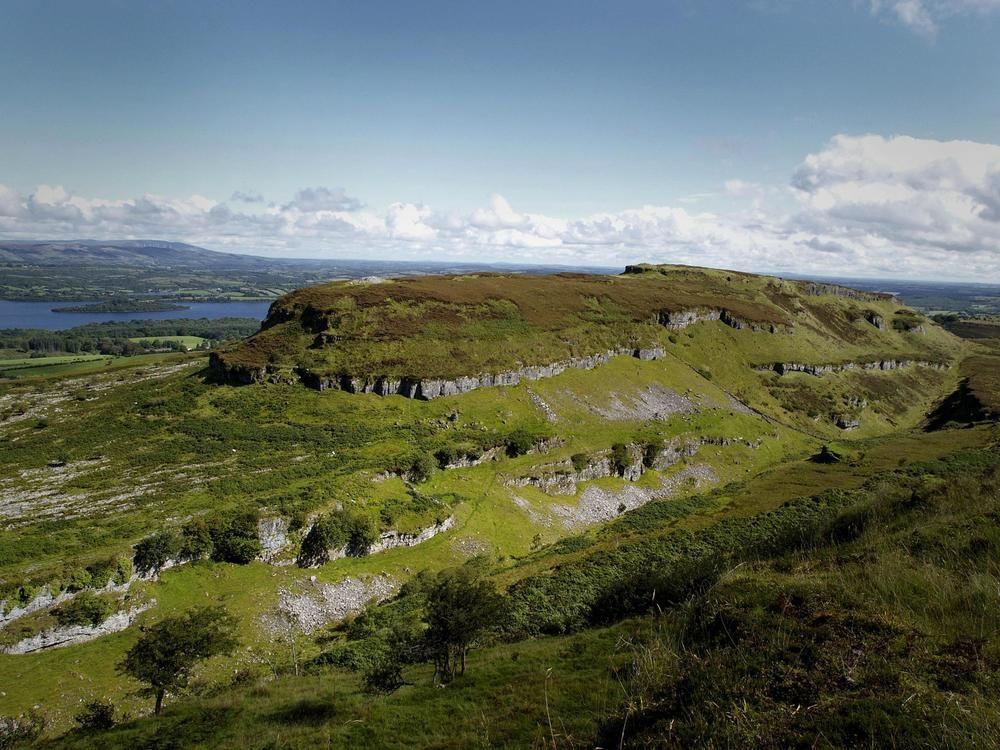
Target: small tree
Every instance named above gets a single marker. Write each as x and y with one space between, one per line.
234 537
153 552
461 607
166 652
421 468
620 458
196 540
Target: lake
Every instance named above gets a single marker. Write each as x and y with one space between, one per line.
35 314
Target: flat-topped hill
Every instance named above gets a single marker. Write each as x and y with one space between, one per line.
438 335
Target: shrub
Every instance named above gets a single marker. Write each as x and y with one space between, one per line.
657 589
351 531
650 451
234 537
96 716
19 730
580 461
86 608
620 458
196 540
446 456
523 439
383 678
153 552
421 468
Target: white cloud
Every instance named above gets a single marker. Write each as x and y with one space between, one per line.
924 17
862 205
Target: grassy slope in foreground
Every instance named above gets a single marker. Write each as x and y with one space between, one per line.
868 626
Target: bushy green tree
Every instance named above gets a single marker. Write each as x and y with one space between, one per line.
234 537
196 540
340 529
461 608
153 552
165 654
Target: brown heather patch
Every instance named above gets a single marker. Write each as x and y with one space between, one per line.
550 302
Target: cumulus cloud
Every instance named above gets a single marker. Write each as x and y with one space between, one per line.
861 205
925 16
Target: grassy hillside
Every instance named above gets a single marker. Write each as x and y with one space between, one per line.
446 327
556 488
857 617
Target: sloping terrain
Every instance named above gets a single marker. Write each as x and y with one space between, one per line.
667 401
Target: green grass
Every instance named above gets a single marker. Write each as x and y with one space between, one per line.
873 626
37 365
191 342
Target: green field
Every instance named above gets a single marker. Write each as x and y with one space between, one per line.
191 342
46 365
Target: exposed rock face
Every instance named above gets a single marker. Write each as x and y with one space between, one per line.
562 479
817 289
428 388
875 319
392 538
45 599
68 636
597 505
846 422
678 319
42 600
465 462
273 535
325 603
882 364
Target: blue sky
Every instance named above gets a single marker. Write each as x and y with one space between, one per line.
422 115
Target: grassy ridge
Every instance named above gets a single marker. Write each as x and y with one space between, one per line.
461 325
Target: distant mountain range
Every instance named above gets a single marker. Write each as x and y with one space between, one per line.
141 253
161 254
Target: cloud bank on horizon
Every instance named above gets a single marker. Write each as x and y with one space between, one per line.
862 205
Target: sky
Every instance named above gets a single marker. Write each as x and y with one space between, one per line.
846 137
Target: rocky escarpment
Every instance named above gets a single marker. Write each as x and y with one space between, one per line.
73 634
421 388
676 320
391 539
817 289
562 478
429 388
823 369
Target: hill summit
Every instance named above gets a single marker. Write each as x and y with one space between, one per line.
427 336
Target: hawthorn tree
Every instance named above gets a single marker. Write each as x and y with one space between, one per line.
165 654
461 607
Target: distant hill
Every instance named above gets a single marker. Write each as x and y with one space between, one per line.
94 270
143 253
